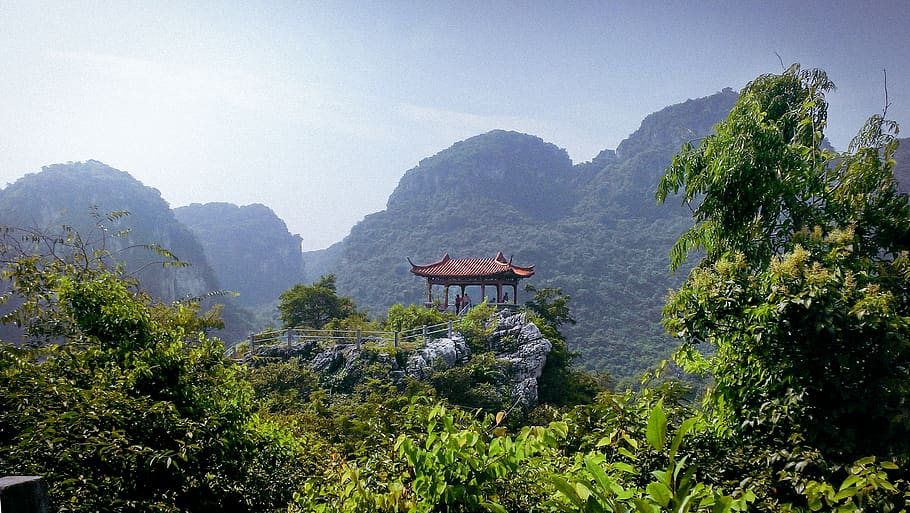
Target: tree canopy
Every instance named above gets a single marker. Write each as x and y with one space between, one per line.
314 305
131 409
803 286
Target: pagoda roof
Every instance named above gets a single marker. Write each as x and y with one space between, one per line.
472 267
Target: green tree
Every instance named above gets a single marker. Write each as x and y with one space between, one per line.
551 306
131 411
802 290
314 305
559 384
402 318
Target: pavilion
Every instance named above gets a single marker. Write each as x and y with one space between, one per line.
496 272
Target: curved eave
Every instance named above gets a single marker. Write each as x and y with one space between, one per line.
472 268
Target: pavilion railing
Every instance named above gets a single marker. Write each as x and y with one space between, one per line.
412 338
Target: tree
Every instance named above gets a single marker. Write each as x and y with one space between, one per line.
314 305
551 305
803 287
768 174
131 411
559 384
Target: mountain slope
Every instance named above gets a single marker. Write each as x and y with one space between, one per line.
249 248
80 194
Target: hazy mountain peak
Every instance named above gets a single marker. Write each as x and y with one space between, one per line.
670 127
249 246
518 171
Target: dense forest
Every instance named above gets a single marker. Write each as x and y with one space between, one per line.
797 312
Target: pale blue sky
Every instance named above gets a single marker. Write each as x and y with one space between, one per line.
316 109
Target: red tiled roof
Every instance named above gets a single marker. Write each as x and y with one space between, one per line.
467 267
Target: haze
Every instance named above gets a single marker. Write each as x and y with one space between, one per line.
316 109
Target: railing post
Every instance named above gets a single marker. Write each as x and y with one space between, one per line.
290 336
252 341
358 339
449 332
426 336
395 341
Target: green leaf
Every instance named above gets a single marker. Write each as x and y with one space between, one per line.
660 493
645 506
567 490
850 481
657 427
683 430
492 506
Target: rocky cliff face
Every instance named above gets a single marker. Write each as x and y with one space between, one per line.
519 347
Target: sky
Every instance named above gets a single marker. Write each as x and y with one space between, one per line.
317 109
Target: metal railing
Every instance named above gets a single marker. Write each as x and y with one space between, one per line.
411 337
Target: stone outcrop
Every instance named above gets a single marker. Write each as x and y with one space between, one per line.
518 345
521 345
442 353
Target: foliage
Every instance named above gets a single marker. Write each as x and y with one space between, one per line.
281 386
353 322
866 488
453 462
814 323
477 325
479 384
402 318
767 175
550 305
803 286
596 485
127 415
559 384
314 305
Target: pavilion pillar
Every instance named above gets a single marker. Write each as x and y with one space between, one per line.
429 292
483 293
445 306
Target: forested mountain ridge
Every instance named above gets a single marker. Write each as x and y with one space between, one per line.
81 195
249 247
592 229
66 194
516 174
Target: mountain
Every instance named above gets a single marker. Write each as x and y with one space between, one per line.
249 247
591 229
82 194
